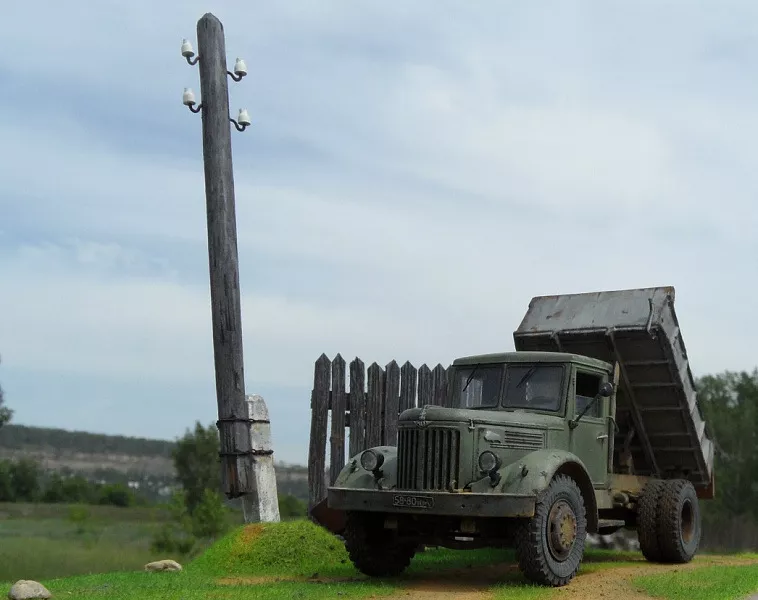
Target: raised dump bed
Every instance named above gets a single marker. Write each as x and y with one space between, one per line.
656 400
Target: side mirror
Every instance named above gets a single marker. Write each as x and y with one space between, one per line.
605 391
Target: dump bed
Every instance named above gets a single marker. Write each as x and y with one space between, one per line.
656 396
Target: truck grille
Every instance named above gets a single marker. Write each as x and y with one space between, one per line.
428 458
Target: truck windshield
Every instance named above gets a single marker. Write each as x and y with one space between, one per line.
535 387
477 386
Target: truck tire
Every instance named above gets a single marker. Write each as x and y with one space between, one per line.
648 508
550 545
679 524
374 550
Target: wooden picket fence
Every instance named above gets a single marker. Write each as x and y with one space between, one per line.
369 410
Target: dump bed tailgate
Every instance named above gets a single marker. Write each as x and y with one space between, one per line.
656 397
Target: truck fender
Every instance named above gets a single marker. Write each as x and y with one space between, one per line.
532 474
354 476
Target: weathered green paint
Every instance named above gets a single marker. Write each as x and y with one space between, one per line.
354 476
547 418
532 446
527 357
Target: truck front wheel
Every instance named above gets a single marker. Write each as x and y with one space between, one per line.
550 545
374 550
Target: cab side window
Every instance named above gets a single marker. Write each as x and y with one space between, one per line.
587 387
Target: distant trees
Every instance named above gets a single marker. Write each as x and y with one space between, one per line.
5 413
25 481
197 463
730 407
199 514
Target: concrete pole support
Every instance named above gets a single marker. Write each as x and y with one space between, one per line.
262 505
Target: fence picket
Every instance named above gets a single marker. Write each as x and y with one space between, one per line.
338 407
319 421
391 403
357 407
374 405
407 386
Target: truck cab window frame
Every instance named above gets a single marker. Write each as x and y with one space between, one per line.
586 386
536 387
484 389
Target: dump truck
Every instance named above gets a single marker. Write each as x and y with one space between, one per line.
591 425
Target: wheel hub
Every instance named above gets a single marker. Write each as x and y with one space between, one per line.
561 534
688 522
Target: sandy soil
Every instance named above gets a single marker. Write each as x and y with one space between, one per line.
607 582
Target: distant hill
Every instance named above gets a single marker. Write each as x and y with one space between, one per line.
142 463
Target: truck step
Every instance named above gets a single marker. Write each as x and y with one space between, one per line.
608 523
608 526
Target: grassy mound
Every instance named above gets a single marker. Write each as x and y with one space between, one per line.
287 549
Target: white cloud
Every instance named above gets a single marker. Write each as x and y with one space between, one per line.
425 171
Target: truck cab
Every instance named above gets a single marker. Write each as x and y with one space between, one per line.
519 402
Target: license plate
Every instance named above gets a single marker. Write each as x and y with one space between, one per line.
410 501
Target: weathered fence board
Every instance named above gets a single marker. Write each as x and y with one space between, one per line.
391 403
374 406
357 407
369 410
319 421
339 409
408 380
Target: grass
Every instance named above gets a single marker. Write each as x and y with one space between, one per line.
43 542
706 583
247 563
196 586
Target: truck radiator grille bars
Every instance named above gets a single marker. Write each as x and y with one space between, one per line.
428 458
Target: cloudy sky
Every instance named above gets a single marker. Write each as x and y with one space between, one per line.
415 173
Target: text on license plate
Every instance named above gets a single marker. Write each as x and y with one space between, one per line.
409 501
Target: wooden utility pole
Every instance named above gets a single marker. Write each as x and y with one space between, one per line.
233 418
247 462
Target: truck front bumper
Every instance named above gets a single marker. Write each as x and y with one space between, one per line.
462 504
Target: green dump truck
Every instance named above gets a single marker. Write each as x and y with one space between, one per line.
591 425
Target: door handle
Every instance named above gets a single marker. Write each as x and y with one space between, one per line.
602 436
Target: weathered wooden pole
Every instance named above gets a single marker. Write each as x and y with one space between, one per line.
233 416
233 420
247 461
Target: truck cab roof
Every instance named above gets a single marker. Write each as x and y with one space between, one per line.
532 357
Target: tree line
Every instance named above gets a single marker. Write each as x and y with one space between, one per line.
24 480
20 437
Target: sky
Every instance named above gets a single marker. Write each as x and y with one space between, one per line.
414 174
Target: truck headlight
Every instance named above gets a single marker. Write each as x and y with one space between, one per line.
371 460
488 462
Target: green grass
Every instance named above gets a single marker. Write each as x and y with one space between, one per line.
41 542
197 586
244 564
707 583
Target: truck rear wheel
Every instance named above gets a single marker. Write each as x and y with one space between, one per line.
648 508
374 550
550 545
679 524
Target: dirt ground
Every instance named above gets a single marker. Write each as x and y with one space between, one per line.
607 582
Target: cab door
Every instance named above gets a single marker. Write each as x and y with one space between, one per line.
589 439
